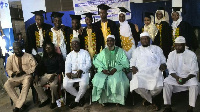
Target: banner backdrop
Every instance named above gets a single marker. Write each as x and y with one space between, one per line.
83 6
5 18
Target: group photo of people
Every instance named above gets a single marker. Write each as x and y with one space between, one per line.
104 62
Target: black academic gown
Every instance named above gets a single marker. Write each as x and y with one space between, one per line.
31 37
65 30
165 39
114 31
69 38
98 36
187 31
135 34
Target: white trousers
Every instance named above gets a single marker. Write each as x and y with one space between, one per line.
167 93
68 85
148 94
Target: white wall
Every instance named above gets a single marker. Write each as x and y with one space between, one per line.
29 6
137 1
177 3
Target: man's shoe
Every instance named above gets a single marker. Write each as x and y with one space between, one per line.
73 105
168 109
82 102
190 109
53 105
44 103
16 109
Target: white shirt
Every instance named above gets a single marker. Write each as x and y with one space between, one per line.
182 64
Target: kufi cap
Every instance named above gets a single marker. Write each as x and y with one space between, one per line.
144 34
180 39
111 36
89 14
75 39
40 13
122 9
78 17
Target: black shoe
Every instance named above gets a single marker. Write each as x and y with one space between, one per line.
24 107
16 109
73 105
190 109
82 102
168 109
44 103
53 105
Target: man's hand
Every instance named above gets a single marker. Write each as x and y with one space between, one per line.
176 77
106 72
69 75
13 74
163 67
79 72
113 71
134 70
80 31
36 79
20 73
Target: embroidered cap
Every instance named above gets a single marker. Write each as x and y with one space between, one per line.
180 39
144 34
75 39
111 36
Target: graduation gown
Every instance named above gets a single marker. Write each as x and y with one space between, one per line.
31 35
97 39
135 34
49 37
113 30
164 40
186 30
69 36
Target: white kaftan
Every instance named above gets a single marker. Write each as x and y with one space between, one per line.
147 60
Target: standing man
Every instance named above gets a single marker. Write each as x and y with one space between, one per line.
110 84
58 35
91 36
183 69
47 72
148 63
36 34
75 30
20 67
77 65
107 26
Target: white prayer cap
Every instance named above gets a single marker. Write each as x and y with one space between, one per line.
180 39
144 34
75 39
111 36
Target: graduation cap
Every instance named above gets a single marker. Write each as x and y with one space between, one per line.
147 14
161 8
78 17
122 9
56 14
89 14
175 9
103 7
40 13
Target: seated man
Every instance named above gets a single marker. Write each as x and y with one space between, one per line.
20 67
47 72
147 62
183 68
110 84
77 65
